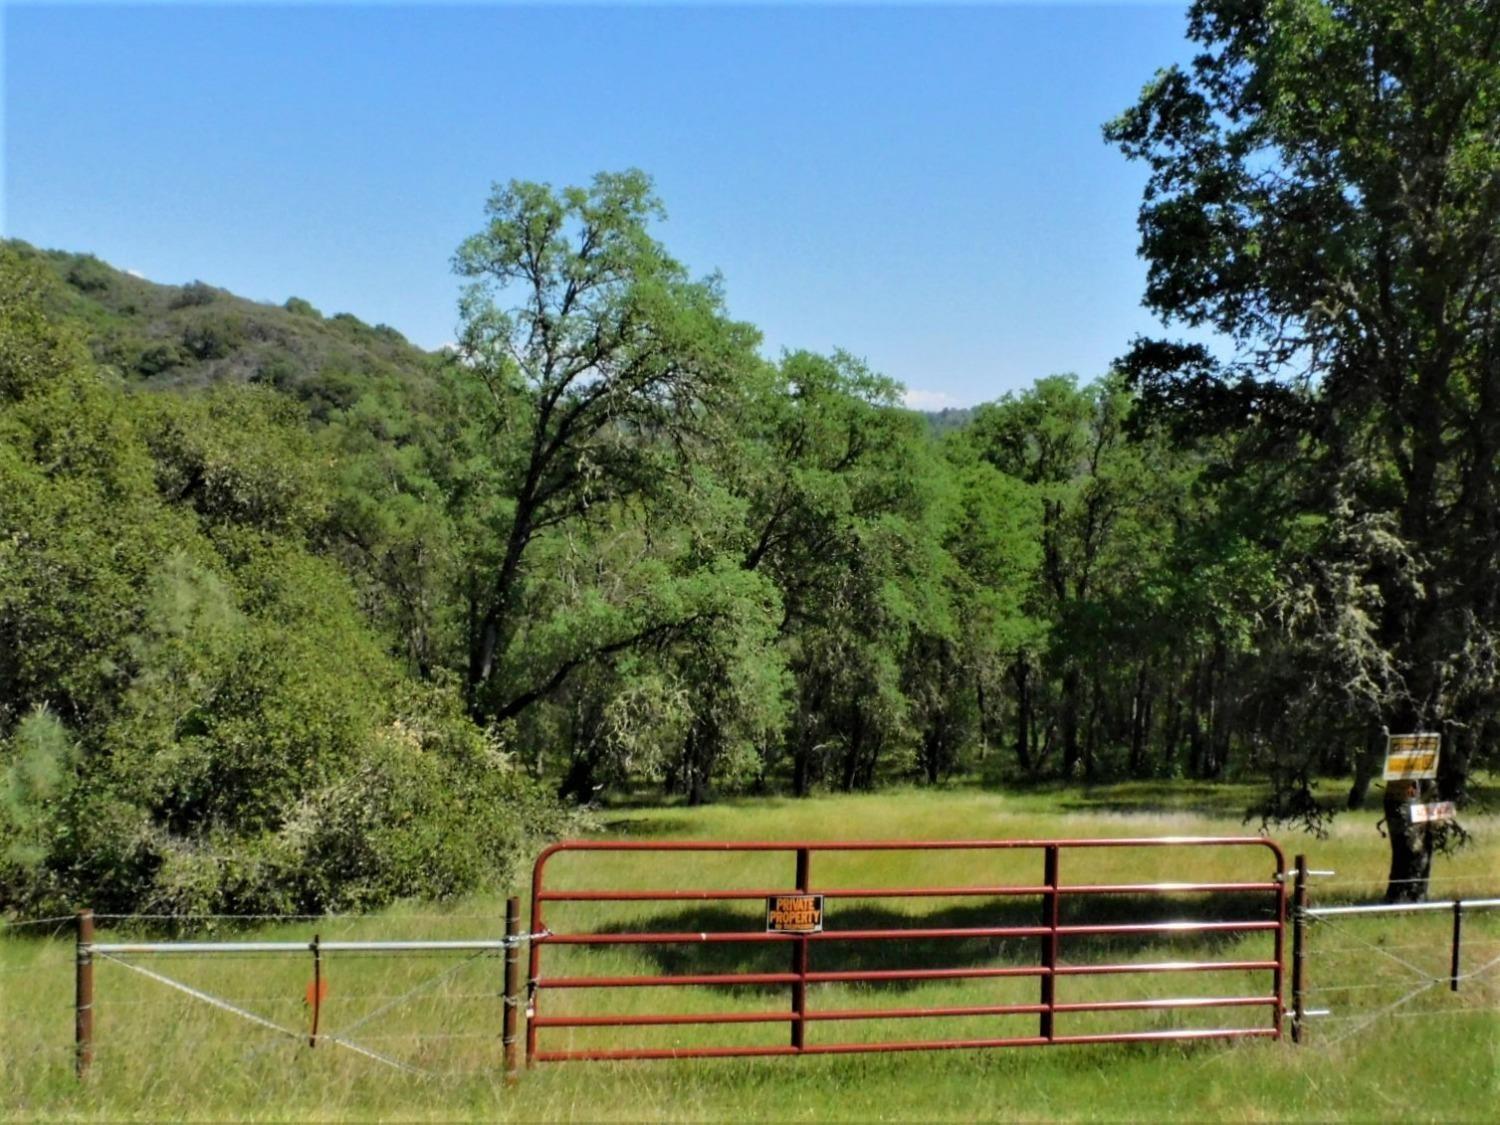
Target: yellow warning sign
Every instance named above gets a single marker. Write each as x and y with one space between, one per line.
1411 757
794 914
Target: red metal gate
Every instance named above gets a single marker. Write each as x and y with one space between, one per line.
1049 931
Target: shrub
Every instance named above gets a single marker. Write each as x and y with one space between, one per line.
213 337
89 274
331 390
238 456
433 810
227 732
298 307
159 357
193 294
278 372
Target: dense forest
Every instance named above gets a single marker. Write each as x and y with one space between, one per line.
296 616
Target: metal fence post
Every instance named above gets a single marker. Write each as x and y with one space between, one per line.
1299 944
537 931
1278 974
800 959
83 994
1458 925
1051 911
512 998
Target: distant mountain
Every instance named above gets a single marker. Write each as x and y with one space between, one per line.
196 334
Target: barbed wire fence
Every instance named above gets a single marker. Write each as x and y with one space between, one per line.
1356 965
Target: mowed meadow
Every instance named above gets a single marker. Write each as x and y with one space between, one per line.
162 1054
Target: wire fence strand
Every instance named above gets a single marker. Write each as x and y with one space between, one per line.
261 1021
17 923
1399 962
1412 981
1382 881
1455 1011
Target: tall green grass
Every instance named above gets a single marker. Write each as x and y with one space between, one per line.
1436 1057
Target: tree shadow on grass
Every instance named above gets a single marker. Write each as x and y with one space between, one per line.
864 955
1219 802
646 827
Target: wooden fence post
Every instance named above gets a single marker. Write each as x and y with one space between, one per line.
317 988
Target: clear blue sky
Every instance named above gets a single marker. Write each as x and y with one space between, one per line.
925 186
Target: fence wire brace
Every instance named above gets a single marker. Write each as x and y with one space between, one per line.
486 947
1313 917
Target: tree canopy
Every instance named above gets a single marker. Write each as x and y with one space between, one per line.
295 616
1325 191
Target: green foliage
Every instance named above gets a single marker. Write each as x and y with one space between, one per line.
299 307
159 358
240 458
193 294
1325 190
329 637
196 716
38 763
34 351
195 335
213 337
598 368
89 274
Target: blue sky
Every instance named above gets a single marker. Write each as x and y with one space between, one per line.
925 186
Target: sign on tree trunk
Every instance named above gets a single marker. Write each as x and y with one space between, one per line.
1411 757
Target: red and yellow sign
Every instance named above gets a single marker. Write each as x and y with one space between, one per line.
1411 757
794 914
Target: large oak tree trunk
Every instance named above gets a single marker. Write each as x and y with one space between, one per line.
1022 674
1071 749
1367 767
1411 848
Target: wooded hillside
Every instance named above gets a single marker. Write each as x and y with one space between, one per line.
293 614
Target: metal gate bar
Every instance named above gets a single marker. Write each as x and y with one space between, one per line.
1050 933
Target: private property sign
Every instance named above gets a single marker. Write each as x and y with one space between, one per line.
1411 757
1432 813
794 914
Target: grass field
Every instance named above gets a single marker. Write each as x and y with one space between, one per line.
162 1055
